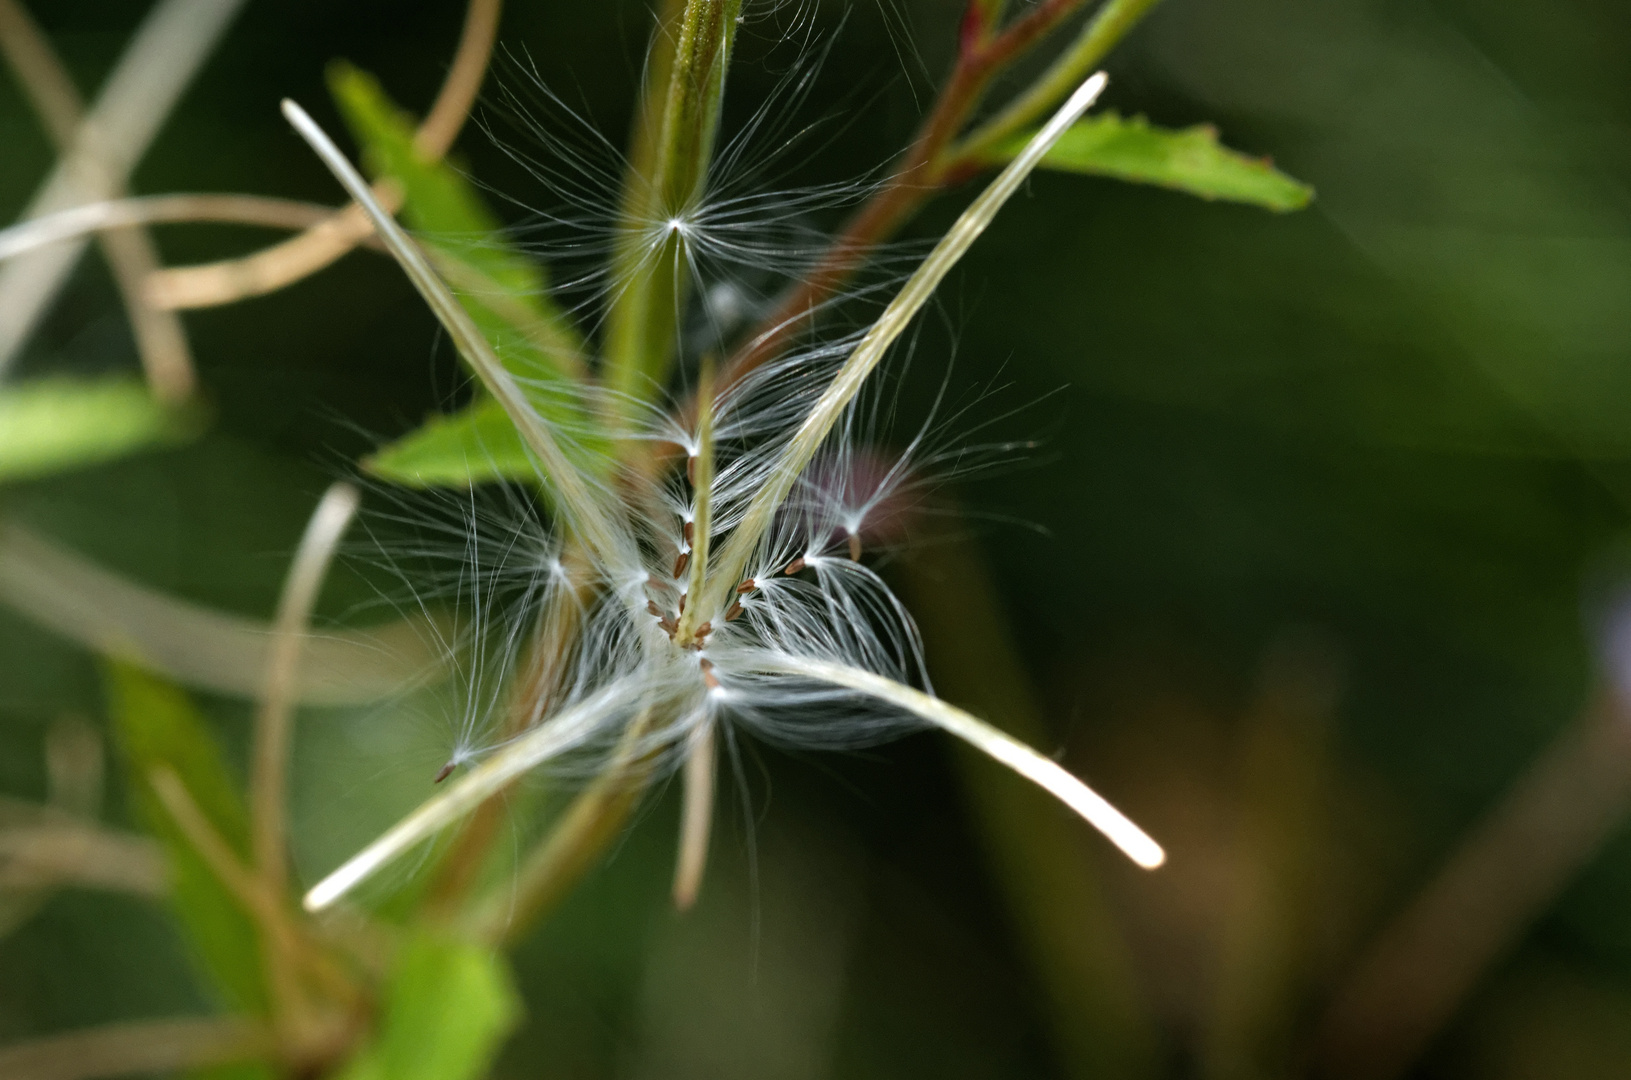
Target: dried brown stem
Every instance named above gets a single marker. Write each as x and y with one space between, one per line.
462 83
131 255
286 950
48 856
284 263
199 646
211 846
696 818
274 721
270 269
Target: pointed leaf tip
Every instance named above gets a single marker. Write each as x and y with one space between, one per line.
1189 160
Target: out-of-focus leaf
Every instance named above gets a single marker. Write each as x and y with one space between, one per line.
1190 160
505 292
48 425
447 1006
159 727
1500 213
476 445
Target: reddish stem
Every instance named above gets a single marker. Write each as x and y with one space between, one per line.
922 172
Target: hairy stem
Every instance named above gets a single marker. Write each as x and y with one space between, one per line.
651 263
702 480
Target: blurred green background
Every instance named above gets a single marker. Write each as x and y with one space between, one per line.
1374 452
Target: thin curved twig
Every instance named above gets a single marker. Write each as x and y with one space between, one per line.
82 855
255 210
166 52
288 261
274 719
160 339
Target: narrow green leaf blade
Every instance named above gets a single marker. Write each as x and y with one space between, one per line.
505 292
447 1007
1189 160
49 425
158 726
475 446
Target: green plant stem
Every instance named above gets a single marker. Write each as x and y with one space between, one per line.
1107 27
673 145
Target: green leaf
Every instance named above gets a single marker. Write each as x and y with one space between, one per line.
1190 160
446 1008
158 726
505 292
48 425
474 446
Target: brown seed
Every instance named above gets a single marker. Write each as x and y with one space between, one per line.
708 675
682 603
746 587
704 630
651 606
854 547
443 773
691 471
689 530
795 566
681 563
734 613
667 626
